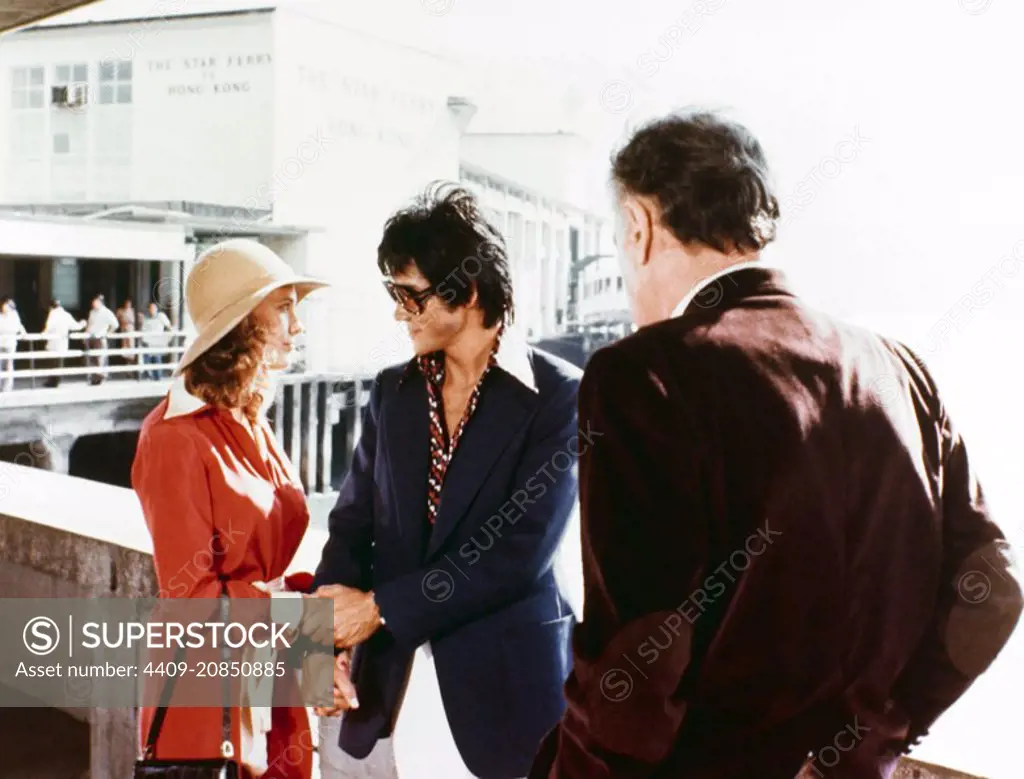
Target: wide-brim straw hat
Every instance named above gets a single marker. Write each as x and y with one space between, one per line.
226 283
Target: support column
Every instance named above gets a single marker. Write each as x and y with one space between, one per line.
169 291
55 453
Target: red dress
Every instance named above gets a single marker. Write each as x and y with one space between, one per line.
205 485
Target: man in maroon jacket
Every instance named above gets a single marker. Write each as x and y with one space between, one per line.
790 568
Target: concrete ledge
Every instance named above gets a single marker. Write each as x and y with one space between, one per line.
66 537
59 504
78 393
45 516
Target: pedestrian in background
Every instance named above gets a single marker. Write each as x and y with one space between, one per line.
10 328
102 322
59 324
154 328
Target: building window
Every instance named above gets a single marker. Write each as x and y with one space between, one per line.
618 284
116 81
26 87
70 74
61 143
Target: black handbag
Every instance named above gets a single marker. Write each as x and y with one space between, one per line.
223 767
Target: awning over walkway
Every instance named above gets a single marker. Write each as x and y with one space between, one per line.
55 236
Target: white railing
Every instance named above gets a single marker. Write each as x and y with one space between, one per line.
316 417
26 361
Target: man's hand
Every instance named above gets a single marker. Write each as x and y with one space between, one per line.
317 621
344 690
356 616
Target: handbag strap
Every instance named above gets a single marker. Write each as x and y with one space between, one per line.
227 749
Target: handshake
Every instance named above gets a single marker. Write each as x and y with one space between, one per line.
353 618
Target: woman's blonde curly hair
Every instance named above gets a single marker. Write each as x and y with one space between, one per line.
233 372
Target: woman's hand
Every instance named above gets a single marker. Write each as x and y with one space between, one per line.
344 691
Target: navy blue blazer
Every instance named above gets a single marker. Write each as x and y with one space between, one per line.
479 585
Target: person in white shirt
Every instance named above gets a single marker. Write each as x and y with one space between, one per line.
10 329
58 324
102 322
126 321
155 326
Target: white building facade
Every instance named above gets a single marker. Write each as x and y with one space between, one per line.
283 124
541 184
601 292
544 237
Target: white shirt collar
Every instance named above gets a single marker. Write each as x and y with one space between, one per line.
513 357
181 402
707 281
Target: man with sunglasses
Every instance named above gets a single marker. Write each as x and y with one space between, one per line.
446 552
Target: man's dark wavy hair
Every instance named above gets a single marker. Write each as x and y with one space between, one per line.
451 242
709 177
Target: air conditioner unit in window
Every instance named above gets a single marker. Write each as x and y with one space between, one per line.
78 94
71 95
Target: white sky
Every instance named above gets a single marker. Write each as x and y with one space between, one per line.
929 204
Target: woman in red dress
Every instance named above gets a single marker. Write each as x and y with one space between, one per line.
223 504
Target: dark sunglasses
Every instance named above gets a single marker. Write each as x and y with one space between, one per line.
411 299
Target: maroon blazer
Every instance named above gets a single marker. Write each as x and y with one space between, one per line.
789 564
